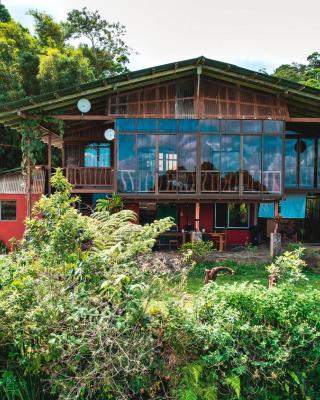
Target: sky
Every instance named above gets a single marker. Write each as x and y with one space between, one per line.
250 33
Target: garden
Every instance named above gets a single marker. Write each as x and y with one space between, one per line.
81 319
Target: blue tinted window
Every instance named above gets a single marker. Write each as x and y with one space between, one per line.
209 125
126 125
251 126
230 126
291 161
188 125
270 126
147 125
167 125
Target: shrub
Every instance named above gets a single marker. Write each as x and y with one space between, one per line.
245 341
3 248
197 251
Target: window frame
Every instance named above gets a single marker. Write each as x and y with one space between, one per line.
228 217
8 200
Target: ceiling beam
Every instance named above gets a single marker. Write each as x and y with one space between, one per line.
70 117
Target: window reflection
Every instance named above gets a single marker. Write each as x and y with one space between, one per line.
97 155
306 150
146 153
210 163
168 159
230 163
187 162
272 158
126 163
252 163
291 163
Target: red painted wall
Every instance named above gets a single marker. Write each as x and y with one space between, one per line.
206 217
186 215
238 237
15 229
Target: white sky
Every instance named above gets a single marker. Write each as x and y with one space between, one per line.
250 33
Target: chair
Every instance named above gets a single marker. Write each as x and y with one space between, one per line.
173 243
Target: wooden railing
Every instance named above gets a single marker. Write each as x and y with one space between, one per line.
90 176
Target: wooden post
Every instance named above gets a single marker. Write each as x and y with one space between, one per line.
29 182
49 163
197 216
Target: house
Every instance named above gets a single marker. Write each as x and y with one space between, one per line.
14 201
213 145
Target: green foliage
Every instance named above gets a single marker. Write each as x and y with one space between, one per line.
247 342
107 52
3 248
4 14
196 251
112 205
288 266
73 301
306 74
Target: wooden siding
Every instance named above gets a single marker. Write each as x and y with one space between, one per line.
179 100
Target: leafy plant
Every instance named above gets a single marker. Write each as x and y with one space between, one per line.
113 204
3 247
197 251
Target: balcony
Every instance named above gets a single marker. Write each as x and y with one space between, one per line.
90 178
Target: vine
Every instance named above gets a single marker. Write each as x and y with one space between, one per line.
31 135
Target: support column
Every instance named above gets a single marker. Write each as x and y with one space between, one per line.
29 182
49 163
197 216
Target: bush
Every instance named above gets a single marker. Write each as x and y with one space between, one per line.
245 341
3 248
197 251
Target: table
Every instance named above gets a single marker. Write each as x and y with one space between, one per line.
218 235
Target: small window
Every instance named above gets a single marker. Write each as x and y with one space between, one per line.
8 210
252 126
97 155
271 126
232 215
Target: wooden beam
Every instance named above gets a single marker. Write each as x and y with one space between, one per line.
49 164
83 117
316 120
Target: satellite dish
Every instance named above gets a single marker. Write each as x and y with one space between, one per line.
84 105
109 134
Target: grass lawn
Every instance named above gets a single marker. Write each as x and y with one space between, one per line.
244 273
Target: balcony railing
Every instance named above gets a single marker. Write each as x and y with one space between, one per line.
90 176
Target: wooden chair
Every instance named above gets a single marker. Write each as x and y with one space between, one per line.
173 243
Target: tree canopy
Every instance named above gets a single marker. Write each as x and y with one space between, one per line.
82 48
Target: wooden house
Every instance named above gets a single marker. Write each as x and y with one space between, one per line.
215 146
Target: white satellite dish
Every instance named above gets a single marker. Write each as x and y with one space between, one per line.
109 134
84 105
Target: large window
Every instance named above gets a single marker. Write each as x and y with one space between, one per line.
97 155
252 163
291 163
307 156
8 210
210 163
234 156
232 215
272 163
168 163
127 163
146 152
230 163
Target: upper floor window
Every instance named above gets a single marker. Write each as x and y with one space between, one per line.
8 210
97 155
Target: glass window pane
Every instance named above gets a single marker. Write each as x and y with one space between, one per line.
91 155
252 163
230 126
251 126
210 152
104 155
291 162
230 163
187 162
168 162
221 217
209 125
8 210
270 126
126 163
146 151
238 215
272 161
307 155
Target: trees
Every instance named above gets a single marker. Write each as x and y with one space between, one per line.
306 74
